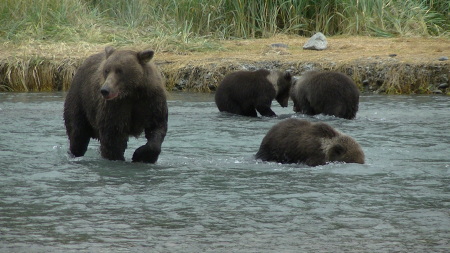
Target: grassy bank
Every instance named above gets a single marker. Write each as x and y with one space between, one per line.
172 22
381 65
43 42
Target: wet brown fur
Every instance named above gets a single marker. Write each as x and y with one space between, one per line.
139 106
300 141
248 92
329 93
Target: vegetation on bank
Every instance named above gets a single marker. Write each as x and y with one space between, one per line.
188 23
181 26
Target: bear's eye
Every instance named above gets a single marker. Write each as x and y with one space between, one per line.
118 71
106 71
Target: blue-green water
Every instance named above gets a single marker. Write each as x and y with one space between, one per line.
207 193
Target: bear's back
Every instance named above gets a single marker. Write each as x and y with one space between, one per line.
328 92
244 81
328 83
300 141
86 71
244 90
292 141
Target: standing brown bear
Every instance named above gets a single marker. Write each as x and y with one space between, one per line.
299 141
245 92
114 95
329 93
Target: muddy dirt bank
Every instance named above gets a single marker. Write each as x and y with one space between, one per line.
376 76
379 65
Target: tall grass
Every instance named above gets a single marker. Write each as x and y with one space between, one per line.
181 22
389 18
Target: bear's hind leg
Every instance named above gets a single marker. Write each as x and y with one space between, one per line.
335 109
249 112
235 108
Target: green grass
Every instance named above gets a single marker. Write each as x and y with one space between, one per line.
196 24
191 25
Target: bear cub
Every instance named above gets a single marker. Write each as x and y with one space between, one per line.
299 141
116 94
246 92
327 92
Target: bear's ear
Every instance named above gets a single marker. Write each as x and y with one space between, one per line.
336 152
109 50
145 56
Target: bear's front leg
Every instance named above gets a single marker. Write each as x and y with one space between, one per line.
149 152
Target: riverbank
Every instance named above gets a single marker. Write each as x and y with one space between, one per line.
378 65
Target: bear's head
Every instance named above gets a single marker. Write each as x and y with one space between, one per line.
343 148
282 83
123 71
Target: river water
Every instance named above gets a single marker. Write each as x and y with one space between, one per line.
207 193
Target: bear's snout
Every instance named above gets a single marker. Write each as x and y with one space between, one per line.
104 91
283 102
108 93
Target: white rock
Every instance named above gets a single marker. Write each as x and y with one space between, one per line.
316 42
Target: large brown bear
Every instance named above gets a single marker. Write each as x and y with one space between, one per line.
245 92
116 94
299 141
329 93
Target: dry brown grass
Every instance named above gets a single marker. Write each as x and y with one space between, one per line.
414 69
34 66
340 50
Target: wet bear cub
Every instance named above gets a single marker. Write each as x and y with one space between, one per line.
299 141
329 93
116 94
246 92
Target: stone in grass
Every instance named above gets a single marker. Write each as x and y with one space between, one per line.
443 58
279 45
443 86
317 42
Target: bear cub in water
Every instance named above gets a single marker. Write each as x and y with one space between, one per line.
327 92
299 141
246 92
116 94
